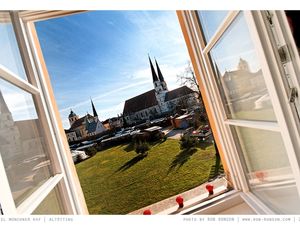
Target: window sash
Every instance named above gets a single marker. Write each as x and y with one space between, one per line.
201 51
70 187
33 200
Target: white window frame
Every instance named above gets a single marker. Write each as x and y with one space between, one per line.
284 124
36 85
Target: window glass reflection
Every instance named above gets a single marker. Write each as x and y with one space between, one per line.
9 55
210 21
51 205
268 169
22 142
239 75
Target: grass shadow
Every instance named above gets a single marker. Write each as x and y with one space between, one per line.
132 162
182 158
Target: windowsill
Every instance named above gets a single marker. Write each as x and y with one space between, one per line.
222 202
201 200
229 203
191 198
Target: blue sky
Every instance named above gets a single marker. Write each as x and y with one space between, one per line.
104 55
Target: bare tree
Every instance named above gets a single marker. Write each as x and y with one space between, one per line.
187 78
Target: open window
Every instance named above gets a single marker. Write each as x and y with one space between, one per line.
35 173
246 64
244 80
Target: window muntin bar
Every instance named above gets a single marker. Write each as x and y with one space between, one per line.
210 21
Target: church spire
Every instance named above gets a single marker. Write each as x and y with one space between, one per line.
160 76
94 109
3 106
154 76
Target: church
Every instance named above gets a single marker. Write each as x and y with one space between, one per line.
159 101
85 126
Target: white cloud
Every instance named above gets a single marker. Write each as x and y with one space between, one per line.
141 74
114 110
104 95
169 72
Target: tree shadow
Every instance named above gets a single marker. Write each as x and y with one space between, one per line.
215 169
132 162
204 144
130 147
182 158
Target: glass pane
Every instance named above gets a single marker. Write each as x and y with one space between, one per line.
268 169
23 144
210 21
9 55
283 199
51 205
239 75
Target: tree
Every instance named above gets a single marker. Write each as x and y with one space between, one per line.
125 124
91 151
187 78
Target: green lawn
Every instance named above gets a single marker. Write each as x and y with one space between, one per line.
118 181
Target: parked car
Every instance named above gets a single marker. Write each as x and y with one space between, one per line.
78 155
206 127
74 146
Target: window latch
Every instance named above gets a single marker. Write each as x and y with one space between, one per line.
293 95
284 54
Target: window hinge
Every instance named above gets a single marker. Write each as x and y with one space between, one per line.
293 95
284 54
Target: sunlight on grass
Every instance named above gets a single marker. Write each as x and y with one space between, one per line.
118 181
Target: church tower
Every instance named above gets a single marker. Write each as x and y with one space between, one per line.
156 82
160 87
72 117
161 78
95 114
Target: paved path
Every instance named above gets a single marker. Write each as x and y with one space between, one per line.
173 133
170 203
